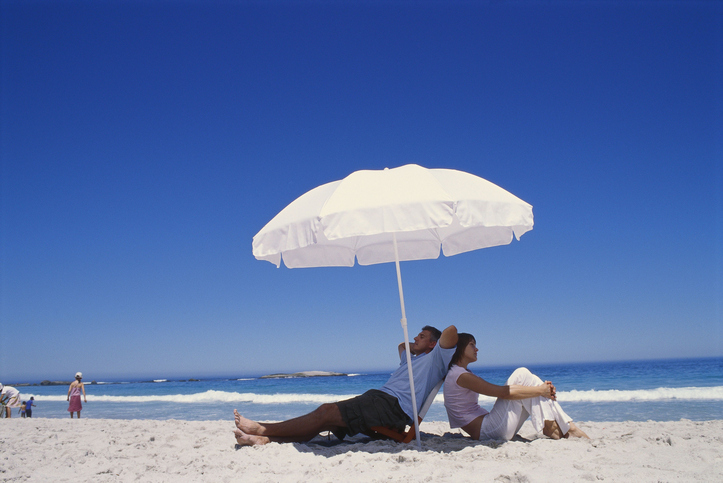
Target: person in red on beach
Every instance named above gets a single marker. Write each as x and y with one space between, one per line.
76 387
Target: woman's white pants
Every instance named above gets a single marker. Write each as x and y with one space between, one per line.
507 415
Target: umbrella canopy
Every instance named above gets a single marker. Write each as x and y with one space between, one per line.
393 215
335 223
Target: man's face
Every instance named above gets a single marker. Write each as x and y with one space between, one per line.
423 343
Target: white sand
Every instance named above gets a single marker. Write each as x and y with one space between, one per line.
102 450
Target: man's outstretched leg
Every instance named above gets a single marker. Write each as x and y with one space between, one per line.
326 417
244 439
244 424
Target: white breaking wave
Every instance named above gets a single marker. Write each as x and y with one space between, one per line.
714 393
214 397
659 394
613 395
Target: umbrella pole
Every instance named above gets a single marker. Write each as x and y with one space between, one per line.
406 343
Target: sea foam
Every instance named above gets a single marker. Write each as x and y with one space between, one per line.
659 394
215 397
714 393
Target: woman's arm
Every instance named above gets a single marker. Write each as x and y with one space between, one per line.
82 387
480 386
69 389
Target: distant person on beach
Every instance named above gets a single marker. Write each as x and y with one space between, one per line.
76 387
390 406
525 395
29 407
21 411
10 397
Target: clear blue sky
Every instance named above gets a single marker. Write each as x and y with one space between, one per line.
145 143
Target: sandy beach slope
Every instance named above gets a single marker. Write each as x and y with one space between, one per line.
104 450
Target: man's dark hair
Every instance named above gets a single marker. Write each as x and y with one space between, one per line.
436 333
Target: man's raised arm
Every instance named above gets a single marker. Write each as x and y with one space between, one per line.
449 337
402 348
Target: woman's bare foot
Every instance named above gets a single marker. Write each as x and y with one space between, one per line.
552 430
246 425
244 439
576 432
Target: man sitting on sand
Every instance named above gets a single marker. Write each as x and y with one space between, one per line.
390 406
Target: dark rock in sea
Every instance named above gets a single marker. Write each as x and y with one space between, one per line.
55 383
303 374
193 380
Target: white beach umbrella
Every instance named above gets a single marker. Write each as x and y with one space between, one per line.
393 215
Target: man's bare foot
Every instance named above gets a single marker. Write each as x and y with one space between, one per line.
246 425
244 439
576 432
552 430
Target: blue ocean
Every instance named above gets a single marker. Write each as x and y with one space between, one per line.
659 390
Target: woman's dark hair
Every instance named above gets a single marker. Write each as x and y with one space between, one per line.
462 342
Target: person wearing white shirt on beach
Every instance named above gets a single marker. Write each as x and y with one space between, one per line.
10 397
525 395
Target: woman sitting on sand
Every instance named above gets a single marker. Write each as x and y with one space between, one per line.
524 395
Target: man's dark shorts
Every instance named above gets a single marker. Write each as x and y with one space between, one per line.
373 408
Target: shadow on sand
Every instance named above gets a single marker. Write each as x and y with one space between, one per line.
328 445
